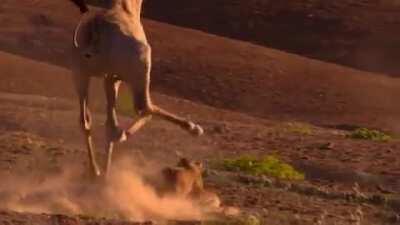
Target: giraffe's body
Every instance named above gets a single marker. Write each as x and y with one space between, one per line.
81 5
112 44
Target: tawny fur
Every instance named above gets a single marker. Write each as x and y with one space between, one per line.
112 44
186 180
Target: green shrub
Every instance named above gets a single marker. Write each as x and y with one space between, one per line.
125 103
367 134
269 166
298 128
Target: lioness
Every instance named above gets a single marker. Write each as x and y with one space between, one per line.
186 180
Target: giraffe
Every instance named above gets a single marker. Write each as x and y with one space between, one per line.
112 44
81 4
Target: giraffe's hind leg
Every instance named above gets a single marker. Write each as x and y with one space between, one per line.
141 108
186 124
146 109
82 87
146 116
111 88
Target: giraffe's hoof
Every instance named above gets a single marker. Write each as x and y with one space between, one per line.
123 136
96 171
119 135
196 129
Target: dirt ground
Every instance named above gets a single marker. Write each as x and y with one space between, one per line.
247 98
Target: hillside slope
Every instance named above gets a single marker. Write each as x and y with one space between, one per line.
361 34
222 72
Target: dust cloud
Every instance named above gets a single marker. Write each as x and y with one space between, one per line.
124 195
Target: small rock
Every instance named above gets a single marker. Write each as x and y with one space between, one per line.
218 129
305 157
327 146
231 211
394 218
266 181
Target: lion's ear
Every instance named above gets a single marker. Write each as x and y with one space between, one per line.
184 162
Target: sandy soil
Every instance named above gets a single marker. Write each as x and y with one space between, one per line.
247 98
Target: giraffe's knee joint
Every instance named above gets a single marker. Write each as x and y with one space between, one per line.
145 110
195 129
86 127
111 123
87 131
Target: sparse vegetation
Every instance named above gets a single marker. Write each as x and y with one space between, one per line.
298 128
125 103
269 166
367 134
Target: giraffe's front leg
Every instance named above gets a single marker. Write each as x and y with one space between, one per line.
82 86
113 133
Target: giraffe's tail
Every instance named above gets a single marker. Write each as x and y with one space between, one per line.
83 30
76 33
